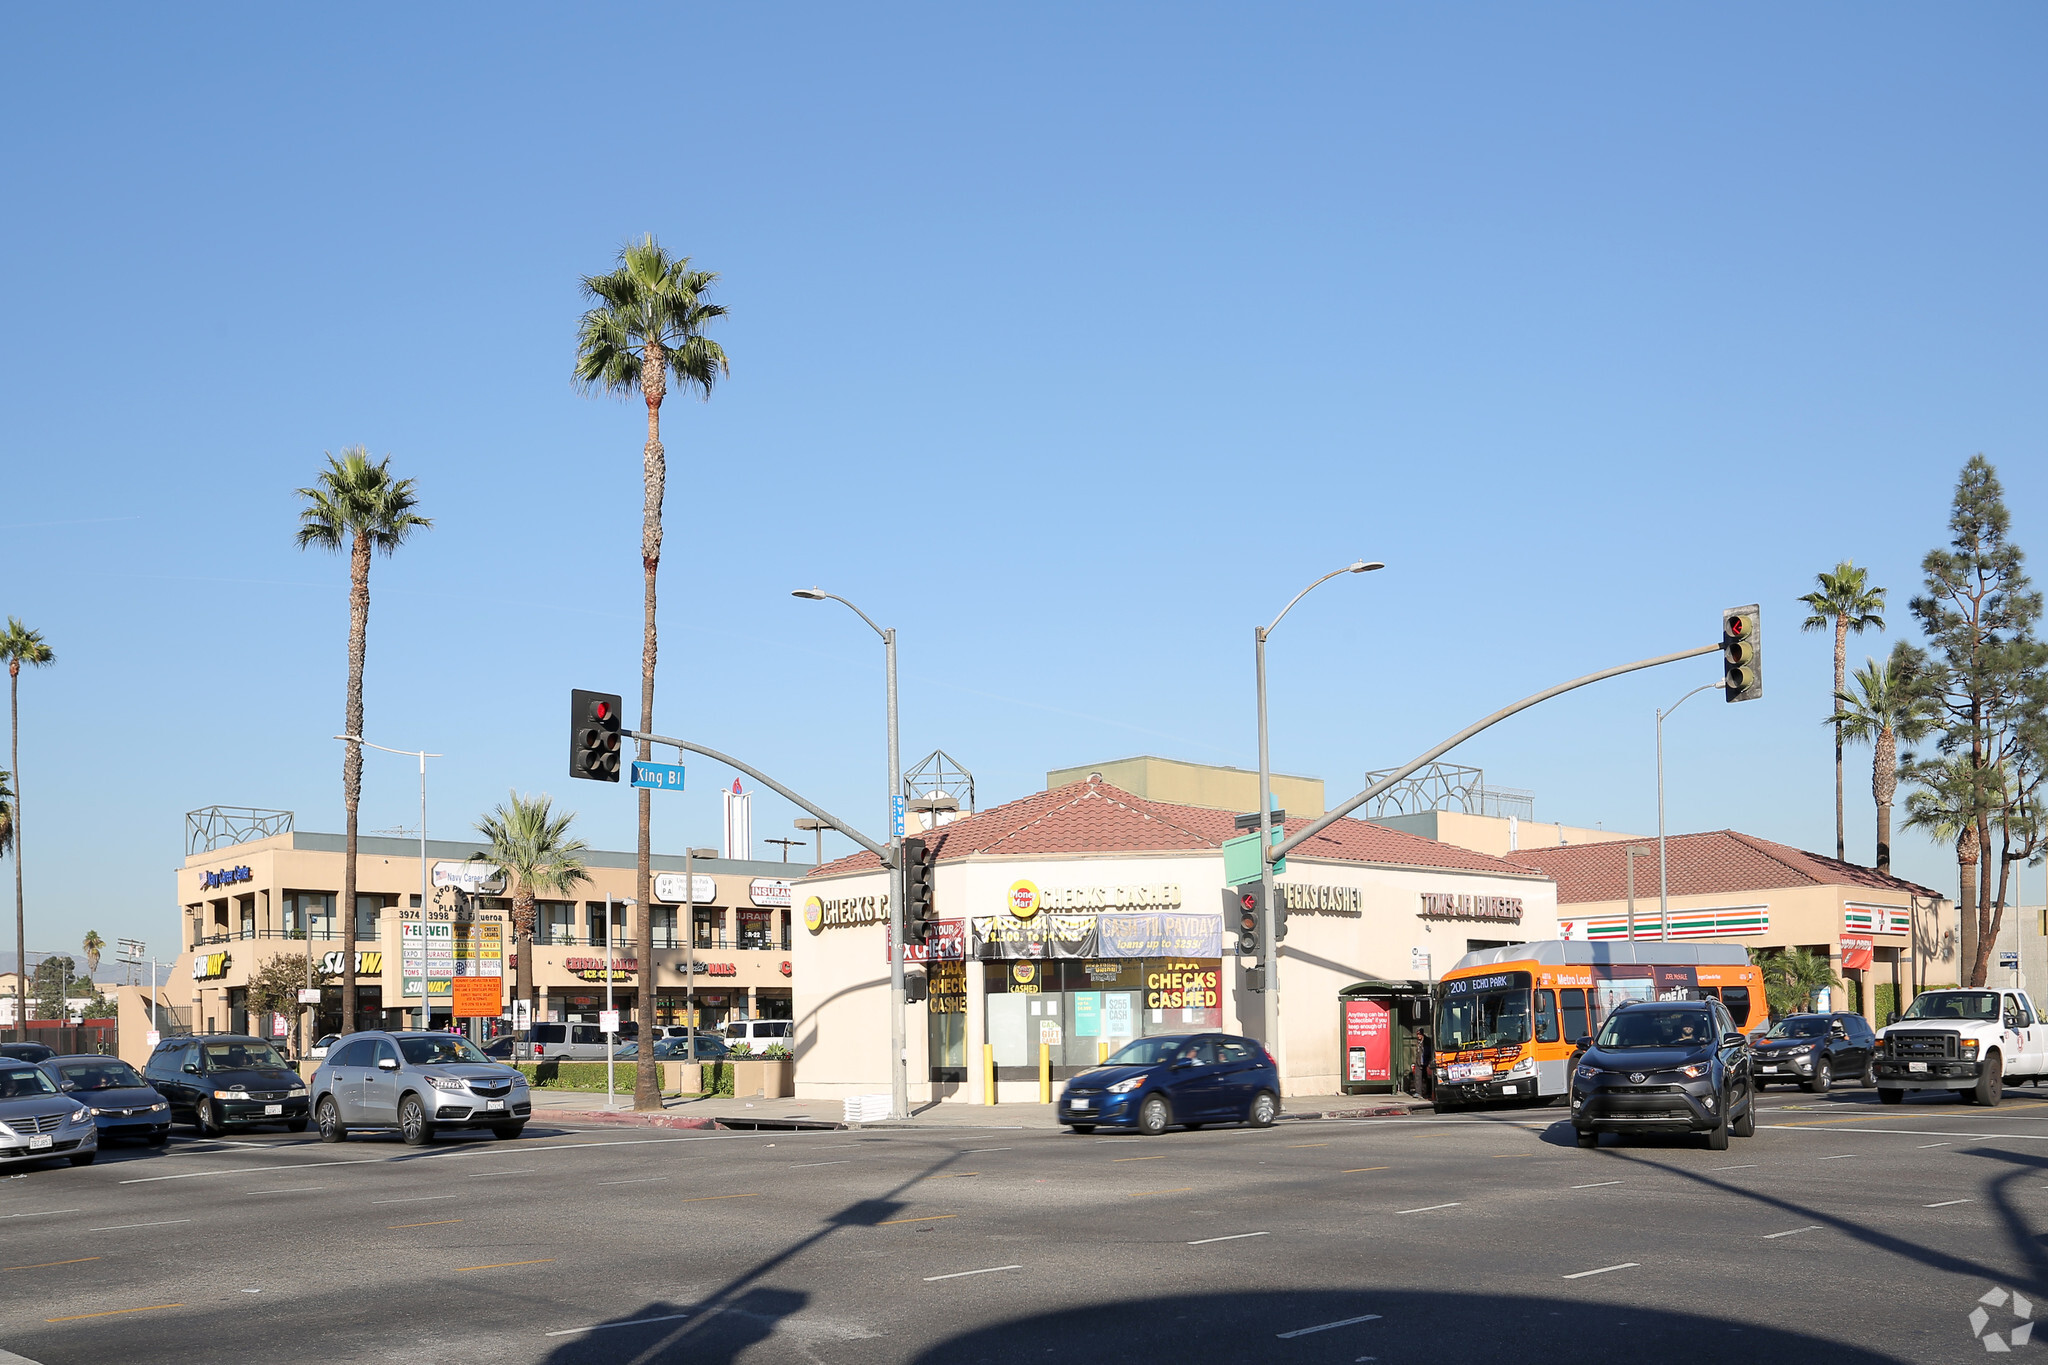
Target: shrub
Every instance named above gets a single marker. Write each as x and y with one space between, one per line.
740 1050
775 1052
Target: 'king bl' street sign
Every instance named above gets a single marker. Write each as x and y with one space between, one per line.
666 777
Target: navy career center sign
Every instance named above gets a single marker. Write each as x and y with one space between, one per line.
226 876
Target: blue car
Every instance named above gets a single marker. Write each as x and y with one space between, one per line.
1186 1079
123 1104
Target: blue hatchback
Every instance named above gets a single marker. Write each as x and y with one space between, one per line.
123 1104
1186 1079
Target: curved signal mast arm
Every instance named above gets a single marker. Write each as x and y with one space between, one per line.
819 811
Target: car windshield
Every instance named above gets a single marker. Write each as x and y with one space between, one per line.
441 1048
1799 1028
1654 1028
241 1055
20 1082
1146 1052
107 1075
1491 1018
1953 1005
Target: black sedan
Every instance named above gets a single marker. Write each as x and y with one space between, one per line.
1665 1066
123 1104
1817 1051
27 1052
220 1080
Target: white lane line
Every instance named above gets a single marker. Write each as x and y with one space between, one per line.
605 1326
959 1273
415 1199
1326 1326
1625 1265
253 1170
799 1165
1843 1157
643 1180
123 1227
1922 1132
492 1175
1925 1145
1429 1208
1810 1227
290 1189
435 1156
972 1150
1946 1203
39 1213
1750 1166
1233 1237
1596 1184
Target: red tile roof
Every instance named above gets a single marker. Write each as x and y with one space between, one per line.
1095 817
1718 862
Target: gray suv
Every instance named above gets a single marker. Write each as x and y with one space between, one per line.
417 1083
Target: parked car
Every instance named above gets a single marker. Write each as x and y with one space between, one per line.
710 1048
1665 1066
507 1047
567 1042
1968 1042
27 1052
38 1121
320 1046
1187 1079
418 1083
218 1081
123 1104
1817 1051
760 1032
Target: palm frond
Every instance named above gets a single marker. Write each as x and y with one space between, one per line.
651 297
531 846
357 496
22 647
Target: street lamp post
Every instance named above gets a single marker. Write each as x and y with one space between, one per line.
423 756
1629 856
689 952
1663 879
1272 958
817 827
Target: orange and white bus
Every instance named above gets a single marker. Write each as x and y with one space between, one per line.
1508 1020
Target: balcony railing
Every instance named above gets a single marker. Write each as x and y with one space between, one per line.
549 937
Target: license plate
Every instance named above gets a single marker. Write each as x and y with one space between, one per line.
273 1109
1508 1090
494 1104
39 1141
1771 1068
1916 1066
1080 1104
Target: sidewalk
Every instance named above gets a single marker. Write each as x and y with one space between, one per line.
724 1111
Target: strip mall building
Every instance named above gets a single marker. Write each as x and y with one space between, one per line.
1085 915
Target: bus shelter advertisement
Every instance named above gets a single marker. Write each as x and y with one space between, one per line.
1368 1041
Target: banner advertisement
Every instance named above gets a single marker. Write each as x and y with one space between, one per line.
1160 935
1041 936
1368 1051
947 983
1856 949
947 942
477 997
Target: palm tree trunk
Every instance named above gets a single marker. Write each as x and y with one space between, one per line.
653 384
1841 681
352 766
20 921
1884 784
522 941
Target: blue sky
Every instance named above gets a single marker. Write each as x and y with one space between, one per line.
1071 342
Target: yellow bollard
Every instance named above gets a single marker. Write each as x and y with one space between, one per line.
1102 1051
1045 1073
988 1073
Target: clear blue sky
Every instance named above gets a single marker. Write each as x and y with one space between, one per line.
1071 342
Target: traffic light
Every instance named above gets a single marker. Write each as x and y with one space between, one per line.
1742 675
1247 917
917 891
594 735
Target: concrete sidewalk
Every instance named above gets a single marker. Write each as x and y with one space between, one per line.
724 1111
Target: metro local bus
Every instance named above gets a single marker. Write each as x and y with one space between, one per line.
1508 1020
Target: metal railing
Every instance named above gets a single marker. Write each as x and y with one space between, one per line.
212 827
626 943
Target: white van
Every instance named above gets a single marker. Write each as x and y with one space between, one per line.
760 1032
567 1042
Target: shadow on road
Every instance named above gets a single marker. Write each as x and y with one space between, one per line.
711 1334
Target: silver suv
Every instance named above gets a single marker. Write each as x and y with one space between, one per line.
417 1083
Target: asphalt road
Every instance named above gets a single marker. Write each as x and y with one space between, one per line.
1843 1231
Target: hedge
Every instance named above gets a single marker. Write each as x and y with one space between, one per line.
580 1075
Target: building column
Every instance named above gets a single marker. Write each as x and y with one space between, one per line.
753 1007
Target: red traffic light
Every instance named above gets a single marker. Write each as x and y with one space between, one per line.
600 711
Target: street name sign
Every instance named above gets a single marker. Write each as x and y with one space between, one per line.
667 777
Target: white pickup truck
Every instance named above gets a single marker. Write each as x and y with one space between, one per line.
1970 1042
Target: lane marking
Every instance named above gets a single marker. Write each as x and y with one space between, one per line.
1925 1145
45 1265
971 1150
123 1227
437 1223
291 1189
415 1199
1946 1203
1308 1144
1161 1157
706 1198
643 1180
797 1166
953 1175
1625 1265
1503 1156
40 1213
493 1175
1596 1184
1140 1194
1326 1326
1356 1169
928 1218
1431 1208
1810 1227
1843 1157
114 1312
606 1326
501 1265
958 1273
1747 1166
1233 1237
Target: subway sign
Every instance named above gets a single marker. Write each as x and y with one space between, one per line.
367 963
211 966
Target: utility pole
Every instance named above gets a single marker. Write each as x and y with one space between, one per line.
1663 878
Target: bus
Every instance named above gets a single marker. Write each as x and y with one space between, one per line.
1508 1020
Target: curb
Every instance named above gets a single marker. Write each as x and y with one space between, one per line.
614 1118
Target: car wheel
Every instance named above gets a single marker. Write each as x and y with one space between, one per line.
1890 1096
414 1127
1589 1137
507 1131
1822 1077
1869 1072
1082 1128
296 1126
332 1129
1746 1125
1263 1111
1991 1085
207 1119
1154 1117
83 1158
1717 1136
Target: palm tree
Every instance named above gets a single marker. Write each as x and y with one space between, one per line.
532 850
1846 603
19 645
6 813
357 501
1791 978
1953 793
1890 702
646 325
94 945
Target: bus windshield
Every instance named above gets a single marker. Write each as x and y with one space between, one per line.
1498 1017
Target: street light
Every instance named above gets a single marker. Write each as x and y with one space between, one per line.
817 827
899 1076
689 953
1663 881
1272 962
423 756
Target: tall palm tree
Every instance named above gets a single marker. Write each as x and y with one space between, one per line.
356 501
645 326
1844 602
533 851
1888 703
19 645
1953 793
94 945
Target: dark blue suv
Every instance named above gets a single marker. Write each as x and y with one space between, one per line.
1188 1079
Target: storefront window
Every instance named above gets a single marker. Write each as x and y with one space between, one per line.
664 927
309 913
757 928
1082 1008
367 910
945 1019
707 929
554 922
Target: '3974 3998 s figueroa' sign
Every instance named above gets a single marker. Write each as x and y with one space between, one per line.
1498 909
